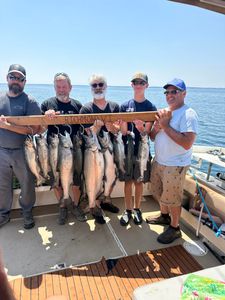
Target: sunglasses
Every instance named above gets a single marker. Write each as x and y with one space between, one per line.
172 92
95 85
137 82
20 79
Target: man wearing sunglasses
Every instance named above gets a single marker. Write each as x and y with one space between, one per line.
62 103
139 103
174 133
12 160
99 105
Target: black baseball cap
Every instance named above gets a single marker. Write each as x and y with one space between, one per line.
15 68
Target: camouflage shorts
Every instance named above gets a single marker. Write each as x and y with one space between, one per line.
167 184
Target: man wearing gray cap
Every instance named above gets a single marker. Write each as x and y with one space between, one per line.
174 133
12 159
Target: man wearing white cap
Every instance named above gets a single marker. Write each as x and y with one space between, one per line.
174 133
12 159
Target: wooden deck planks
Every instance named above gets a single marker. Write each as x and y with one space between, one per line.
113 279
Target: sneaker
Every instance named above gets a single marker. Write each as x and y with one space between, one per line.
4 220
137 216
169 235
125 219
97 214
109 207
160 220
63 215
78 213
65 202
28 220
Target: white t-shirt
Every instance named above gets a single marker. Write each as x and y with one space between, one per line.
167 152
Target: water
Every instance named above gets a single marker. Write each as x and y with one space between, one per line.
209 103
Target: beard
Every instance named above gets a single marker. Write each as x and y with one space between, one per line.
62 98
15 88
98 96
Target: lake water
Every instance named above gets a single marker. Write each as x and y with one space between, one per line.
209 103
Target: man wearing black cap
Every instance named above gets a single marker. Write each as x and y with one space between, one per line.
174 133
137 172
12 160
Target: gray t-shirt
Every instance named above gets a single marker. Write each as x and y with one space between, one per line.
22 105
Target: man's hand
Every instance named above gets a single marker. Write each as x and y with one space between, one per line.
3 122
96 127
163 118
113 127
51 113
140 125
156 126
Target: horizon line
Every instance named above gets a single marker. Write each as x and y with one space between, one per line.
194 87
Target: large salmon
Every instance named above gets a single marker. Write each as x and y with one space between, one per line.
31 159
42 152
119 154
109 165
143 155
53 157
65 164
93 168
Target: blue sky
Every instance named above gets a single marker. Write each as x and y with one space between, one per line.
115 38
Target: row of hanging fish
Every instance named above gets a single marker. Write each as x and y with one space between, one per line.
101 163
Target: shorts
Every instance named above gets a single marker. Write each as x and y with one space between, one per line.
132 172
167 184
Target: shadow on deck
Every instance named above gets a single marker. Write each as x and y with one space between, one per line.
108 279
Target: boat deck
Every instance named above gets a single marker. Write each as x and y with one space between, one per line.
108 279
47 245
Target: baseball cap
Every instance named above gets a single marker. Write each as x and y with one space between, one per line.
140 75
178 83
15 68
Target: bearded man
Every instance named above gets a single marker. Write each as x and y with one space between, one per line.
12 159
100 105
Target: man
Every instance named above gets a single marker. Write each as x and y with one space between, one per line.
139 103
174 133
63 104
99 105
12 159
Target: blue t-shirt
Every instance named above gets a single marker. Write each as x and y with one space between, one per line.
134 106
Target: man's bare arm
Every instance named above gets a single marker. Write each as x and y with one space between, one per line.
184 139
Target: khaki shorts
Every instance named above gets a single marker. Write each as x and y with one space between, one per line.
167 184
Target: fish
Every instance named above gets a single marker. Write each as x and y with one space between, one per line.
110 175
32 161
77 157
93 168
143 155
130 155
65 165
43 155
53 148
119 153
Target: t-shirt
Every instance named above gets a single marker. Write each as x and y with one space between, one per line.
134 106
92 108
22 105
169 153
71 107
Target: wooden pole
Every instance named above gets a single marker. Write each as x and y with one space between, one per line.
81 118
